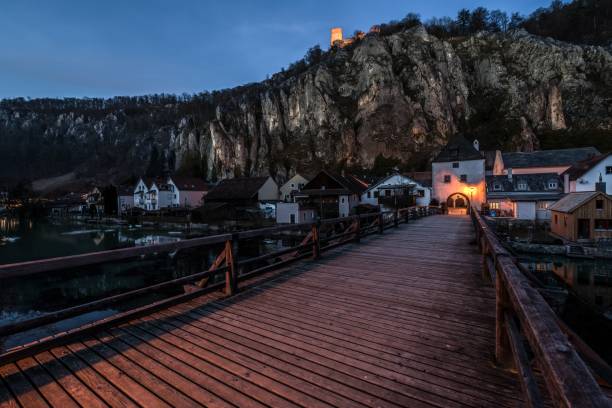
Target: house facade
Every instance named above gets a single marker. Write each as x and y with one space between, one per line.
582 216
585 175
332 195
294 184
458 176
293 213
396 190
125 199
523 196
169 192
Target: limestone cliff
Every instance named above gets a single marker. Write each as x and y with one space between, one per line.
401 96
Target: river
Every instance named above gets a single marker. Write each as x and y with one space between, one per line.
584 295
25 240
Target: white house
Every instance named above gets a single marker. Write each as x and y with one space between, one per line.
523 196
294 184
458 176
140 193
396 185
585 175
169 192
294 213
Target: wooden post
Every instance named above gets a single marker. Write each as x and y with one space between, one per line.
231 259
395 218
381 223
358 228
406 215
503 350
316 243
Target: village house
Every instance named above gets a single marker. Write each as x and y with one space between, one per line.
332 195
169 192
542 161
291 186
582 216
125 199
523 196
253 192
71 204
585 175
458 176
394 191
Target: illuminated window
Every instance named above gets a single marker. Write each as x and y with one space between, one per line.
543 205
494 206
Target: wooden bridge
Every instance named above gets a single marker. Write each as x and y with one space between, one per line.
402 318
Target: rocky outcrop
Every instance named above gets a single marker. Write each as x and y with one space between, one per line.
399 96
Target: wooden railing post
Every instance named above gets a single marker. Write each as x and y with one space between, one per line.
358 228
316 242
406 215
395 218
231 259
381 223
503 350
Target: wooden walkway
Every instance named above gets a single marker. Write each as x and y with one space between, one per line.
402 319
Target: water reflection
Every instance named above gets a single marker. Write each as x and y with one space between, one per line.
588 307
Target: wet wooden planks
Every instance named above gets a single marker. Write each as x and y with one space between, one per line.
402 319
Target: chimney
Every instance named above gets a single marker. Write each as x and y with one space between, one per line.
510 174
566 183
476 144
601 185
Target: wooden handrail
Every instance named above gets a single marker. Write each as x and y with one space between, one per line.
567 377
227 262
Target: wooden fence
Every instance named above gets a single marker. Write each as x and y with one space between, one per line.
224 274
529 334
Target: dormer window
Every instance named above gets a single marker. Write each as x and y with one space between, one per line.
552 185
521 186
497 187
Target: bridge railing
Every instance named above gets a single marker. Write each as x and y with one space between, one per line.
225 273
522 315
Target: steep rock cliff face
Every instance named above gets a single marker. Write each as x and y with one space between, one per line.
400 96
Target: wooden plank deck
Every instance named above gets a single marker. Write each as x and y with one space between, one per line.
402 319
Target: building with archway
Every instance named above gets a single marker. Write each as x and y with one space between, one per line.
458 176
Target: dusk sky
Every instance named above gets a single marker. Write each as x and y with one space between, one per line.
105 48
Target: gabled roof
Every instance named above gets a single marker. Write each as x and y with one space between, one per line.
533 182
240 188
421 177
458 148
573 201
347 184
381 182
548 158
190 183
581 168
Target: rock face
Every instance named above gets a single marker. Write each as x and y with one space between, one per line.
401 96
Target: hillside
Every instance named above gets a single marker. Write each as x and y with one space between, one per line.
398 95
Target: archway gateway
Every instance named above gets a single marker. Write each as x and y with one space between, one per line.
457 204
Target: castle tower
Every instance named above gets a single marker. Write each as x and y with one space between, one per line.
336 35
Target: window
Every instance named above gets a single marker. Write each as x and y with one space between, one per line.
565 221
599 204
463 178
455 165
342 199
421 193
494 206
369 194
608 169
552 185
543 205
292 185
497 187
556 219
604 225
522 186
447 178
376 194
